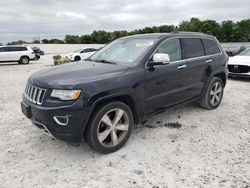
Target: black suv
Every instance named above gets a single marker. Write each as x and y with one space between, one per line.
132 77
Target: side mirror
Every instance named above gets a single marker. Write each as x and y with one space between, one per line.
160 59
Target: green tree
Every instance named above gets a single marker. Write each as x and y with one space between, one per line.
242 31
72 39
211 27
227 28
45 41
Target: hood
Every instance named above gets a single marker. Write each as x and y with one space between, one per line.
239 60
69 75
70 54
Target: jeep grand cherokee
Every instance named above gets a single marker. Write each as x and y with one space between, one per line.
129 79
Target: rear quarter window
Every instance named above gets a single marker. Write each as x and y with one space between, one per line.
23 49
210 47
193 47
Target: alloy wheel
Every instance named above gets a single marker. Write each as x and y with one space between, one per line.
216 93
113 127
25 60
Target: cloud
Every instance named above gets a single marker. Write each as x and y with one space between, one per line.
71 15
28 18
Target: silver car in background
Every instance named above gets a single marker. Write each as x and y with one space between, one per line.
239 66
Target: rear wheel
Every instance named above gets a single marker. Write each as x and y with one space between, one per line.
110 127
24 60
213 95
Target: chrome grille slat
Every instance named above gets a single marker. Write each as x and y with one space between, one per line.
28 94
34 94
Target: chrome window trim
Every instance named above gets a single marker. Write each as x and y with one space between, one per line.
186 59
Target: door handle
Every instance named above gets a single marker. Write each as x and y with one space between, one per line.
182 67
209 60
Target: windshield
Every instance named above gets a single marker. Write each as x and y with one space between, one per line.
245 53
123 51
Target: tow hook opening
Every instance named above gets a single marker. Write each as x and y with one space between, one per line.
61 120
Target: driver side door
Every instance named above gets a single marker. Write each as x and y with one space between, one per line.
166 84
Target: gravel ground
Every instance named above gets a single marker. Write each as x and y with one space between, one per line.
205 149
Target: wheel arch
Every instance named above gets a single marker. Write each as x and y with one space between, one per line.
221 74
24 56
125 98
77 56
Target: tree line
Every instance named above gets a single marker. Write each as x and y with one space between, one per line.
226 31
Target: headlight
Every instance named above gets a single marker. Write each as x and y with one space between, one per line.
66 95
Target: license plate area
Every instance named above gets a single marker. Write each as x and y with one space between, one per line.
26 110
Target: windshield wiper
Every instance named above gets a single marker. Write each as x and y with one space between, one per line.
104 61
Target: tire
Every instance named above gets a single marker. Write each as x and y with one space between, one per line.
214 94
24 60
103 134
77 58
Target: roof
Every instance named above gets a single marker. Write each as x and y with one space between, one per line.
160 35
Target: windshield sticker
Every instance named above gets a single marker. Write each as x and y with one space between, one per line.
142 44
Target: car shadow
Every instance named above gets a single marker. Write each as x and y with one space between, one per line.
244 79
12 64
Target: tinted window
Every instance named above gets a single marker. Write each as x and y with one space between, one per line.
172 47
22 49
88 50
15 49
1 49
210 47
193 47
10 49
7 49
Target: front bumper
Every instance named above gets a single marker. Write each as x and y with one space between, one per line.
44 118
239 70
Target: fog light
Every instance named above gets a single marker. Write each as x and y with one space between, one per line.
61 120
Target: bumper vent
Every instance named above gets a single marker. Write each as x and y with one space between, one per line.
34 94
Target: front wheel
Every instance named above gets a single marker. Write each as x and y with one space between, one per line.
213 96
77 58
110 127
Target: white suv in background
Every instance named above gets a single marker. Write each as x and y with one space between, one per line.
20 54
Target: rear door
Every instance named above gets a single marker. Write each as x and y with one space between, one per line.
167 84
11 53
199 66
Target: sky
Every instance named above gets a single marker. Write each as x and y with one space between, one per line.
29 19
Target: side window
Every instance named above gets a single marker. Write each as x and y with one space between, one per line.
22 49
172 47
2 50
7 49
210 47
193 47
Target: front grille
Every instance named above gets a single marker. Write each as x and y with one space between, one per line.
34 94
239 68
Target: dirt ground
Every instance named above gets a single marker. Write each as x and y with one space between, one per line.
206 149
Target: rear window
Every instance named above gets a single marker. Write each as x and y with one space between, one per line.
193 47
210 47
